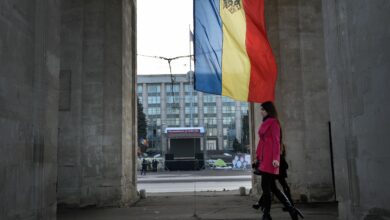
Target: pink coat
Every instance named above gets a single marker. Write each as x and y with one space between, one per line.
268 148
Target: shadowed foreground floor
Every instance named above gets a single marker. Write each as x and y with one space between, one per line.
202 206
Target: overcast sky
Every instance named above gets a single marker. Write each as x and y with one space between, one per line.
163 30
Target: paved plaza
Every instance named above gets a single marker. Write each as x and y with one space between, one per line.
181 204
201 206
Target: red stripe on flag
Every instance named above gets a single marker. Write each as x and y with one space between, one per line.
263 65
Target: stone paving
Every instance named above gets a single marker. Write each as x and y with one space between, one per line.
207 206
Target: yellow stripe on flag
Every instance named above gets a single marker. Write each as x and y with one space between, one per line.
235 62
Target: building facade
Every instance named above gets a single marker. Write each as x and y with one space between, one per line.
170 101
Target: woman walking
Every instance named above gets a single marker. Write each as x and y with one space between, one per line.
268 160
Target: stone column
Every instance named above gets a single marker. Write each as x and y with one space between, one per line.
98 132
357 57
129 142
29 72
296 36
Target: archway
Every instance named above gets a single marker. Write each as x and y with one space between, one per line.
343 42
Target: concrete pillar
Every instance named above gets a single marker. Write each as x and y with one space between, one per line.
296 36
29 68
357 56
97 139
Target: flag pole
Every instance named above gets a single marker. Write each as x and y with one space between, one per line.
191 39
190 75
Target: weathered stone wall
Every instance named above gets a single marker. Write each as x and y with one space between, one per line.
29 67
129 102
296 35
357 37
97 132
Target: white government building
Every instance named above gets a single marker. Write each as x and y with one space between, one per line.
167 103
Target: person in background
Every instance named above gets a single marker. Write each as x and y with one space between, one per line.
268 162
154 165
144 166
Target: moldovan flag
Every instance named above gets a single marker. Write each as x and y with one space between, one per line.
232 54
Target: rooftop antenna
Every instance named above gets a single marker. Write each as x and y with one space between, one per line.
169 60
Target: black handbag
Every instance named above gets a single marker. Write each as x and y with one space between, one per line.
256 170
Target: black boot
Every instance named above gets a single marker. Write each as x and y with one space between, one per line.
287 193
259 204
266 206
256 205
266 216
294 212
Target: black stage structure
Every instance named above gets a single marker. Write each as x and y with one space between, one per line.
184 148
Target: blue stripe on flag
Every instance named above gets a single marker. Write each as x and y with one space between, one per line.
208 46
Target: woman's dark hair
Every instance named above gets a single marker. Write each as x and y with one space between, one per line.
269 107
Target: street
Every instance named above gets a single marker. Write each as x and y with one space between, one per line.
198 181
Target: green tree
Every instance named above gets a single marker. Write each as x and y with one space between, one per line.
142 124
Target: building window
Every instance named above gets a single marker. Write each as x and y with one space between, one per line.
244 108
188 88
173 99
139 88
188 110
189 99
210 109
153 111
227 100
196 122
209 98
210 120
211 145
173 122
212 132
225 131
228 120
153 88
188 121
228 109
172 110
140 99
169 88
154 99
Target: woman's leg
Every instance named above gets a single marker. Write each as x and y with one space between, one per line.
266 183
285 201
259 204
286 188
